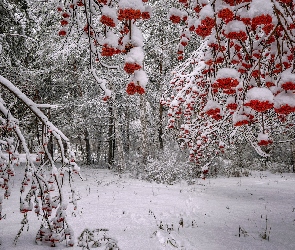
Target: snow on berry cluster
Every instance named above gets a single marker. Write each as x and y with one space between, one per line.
242 76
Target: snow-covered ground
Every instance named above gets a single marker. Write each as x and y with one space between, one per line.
148 216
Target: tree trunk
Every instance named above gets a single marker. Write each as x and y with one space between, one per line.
111 153
161 107
127 132
87 145
119 142
143 129
98 148
161 127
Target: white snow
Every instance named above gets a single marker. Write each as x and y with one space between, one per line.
235 26
237 117
212 105
134 4
287 76
227 73
284 98
136 37
174 12
262 137
135 55
148 8
211 212
141 77
111 39
206 11
110 12
258 7
261 94
230 100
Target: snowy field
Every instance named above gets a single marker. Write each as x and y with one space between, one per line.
256 212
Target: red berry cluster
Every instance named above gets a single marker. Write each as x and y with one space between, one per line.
241 123
226 15
264 142
104 2
285 109
109 51
232 106
229 91
226 83
288 86
238 35
262 19
131 67
236 2
145 15
206 27
129 14
175 19
214 113
259 106
107 21
133 89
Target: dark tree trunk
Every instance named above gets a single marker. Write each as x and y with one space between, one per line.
111 136
161 127
87 145
161 109
98 147
127 132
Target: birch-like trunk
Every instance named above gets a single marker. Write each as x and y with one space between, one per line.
119 142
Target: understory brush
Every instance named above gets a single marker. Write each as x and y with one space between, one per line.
168 168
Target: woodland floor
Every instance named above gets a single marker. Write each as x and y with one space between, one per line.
212 211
